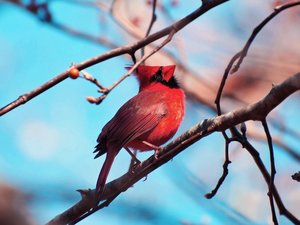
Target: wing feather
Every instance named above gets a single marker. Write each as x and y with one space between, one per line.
133 119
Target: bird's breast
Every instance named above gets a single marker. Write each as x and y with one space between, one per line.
167 127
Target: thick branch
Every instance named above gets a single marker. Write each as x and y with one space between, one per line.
256 111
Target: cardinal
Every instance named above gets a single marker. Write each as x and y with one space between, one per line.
144 122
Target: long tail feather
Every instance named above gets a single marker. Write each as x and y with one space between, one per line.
110 156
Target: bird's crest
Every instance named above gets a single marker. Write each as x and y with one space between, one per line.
145 73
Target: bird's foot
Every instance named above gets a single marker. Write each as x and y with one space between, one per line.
155 148
133 165
133 156
135 162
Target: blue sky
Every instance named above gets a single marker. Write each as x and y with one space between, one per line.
47 143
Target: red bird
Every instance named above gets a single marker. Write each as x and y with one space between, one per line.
146 121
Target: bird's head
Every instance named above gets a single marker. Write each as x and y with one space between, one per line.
147 75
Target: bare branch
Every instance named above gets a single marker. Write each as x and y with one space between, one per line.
225 169
255 155
242 54
273 170
152 21
256 111
222 84
128 49
277 10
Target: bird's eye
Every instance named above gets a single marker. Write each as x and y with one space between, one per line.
158 76
160 70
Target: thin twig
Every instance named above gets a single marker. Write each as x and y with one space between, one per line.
225 169
93 80
218 104
152 21
139 62
223 82
273 170
166 41
130 71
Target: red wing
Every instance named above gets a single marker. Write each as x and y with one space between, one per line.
136 117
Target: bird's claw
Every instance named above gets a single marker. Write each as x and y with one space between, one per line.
135 163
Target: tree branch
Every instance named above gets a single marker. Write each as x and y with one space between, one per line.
225 168
231 68
273 170
127 49
152 21
255 155
277 10
256 111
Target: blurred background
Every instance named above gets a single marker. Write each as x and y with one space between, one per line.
47 144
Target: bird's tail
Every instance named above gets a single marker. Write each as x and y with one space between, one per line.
110 156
